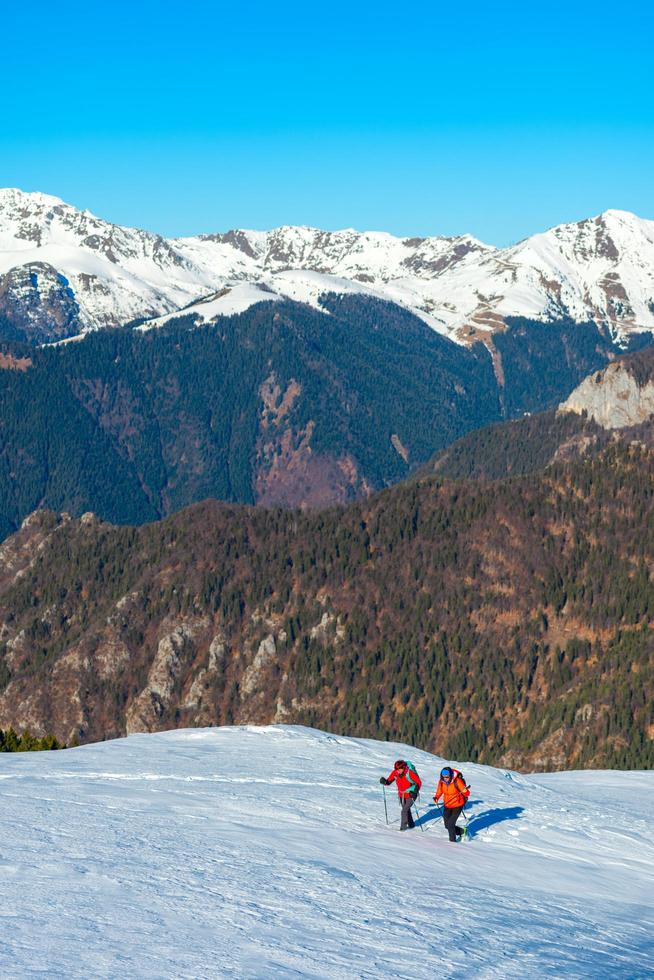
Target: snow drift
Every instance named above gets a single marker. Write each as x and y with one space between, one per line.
263 852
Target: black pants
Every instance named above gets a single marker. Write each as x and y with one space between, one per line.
407 816
450 816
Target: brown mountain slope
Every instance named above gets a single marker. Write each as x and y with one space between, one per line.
509 622
613 405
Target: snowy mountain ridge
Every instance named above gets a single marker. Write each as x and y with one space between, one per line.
264 852
100 274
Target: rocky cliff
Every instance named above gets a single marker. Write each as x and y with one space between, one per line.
619 396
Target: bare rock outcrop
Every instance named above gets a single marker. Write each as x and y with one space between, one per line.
196 693
265 655
613 398
174 650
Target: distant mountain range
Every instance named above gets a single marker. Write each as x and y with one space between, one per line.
64 271
496 604
294 367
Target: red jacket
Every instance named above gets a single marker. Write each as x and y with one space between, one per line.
405 786
455 793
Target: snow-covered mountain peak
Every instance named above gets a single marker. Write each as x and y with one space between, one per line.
369 256
621 216
600 269
603 237
15 197
114 274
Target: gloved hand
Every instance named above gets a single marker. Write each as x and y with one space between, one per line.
383 781
436 800
414 795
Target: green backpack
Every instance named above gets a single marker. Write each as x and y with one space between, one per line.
412 769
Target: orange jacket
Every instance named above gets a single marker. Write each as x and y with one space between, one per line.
455 793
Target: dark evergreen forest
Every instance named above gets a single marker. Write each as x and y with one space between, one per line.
135 425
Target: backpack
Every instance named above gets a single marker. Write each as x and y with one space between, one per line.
458 774
411 768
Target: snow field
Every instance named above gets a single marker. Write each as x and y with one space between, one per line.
263 853
601 268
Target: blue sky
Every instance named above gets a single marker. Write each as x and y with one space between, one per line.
500 119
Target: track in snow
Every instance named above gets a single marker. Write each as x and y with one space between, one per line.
263 852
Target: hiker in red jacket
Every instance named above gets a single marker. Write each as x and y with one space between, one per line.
408 784
452 787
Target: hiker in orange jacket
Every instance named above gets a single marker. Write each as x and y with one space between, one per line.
408 784
452 787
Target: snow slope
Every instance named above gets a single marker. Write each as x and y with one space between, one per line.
115 273
225 302
263 853
599 269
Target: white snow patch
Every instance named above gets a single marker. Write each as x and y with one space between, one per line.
263 852
600 269
230 300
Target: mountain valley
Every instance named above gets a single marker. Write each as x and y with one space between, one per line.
280 404
494 604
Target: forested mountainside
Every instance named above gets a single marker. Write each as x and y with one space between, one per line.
281 404
525 445
508 623
613 404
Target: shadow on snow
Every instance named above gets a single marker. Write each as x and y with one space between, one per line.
476 821
490 817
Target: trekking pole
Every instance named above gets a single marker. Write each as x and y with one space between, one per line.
415 803
385 807
465 829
